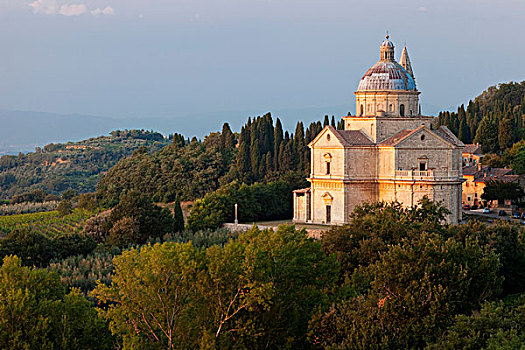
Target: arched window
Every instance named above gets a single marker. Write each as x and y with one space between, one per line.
391 107
402 110
362 110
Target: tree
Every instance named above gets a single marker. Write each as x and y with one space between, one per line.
153 220
278 139
154 298
487 135
178 218
35 312
410 295
33 248
65 207
500 191
124 232
505 133
496 326
374 227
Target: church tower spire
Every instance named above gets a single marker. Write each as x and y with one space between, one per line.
405 62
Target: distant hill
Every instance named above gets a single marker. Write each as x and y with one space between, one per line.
22 131
76 165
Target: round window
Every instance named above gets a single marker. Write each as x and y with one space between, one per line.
422 137
328 137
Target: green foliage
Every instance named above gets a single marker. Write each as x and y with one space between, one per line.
257 291
494 119
35 312
255 202
405 277
149 220
155 296
35 249
77 166
124 232
374 227
83 272
414 290
505 240
499 190
190 170
496 326
178 218
273 282
65 207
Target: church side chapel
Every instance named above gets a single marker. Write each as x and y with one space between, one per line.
387 152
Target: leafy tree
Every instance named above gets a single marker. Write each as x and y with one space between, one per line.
65 207
153 221
273 281
505 240
69 194
374 227
154 299
97 227
72 244
35 312
411 294
499 190
124 232
496 326
33 248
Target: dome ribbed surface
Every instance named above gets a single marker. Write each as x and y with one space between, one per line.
387 75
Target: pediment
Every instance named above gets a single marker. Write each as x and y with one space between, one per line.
328 137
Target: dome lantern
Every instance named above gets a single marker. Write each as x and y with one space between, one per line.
387 50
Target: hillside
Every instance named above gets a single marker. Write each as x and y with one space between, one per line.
494 119
76 165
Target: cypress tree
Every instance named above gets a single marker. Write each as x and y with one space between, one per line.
278 138
333 121
326 121
505 133
254 153
178 217
243 156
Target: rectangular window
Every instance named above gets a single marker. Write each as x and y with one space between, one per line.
327 168
422 166
468 198
328 214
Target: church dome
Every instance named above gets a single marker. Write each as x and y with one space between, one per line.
387 75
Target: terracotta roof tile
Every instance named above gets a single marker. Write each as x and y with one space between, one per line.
355 138
472 148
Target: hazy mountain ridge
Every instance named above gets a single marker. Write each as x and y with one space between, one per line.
22 131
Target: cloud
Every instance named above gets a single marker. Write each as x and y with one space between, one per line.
50 7
72 10
47 7
422 9
106 11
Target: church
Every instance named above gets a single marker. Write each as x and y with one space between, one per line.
387 152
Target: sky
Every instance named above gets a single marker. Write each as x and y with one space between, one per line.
199 62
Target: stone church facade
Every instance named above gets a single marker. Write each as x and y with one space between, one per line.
387 152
